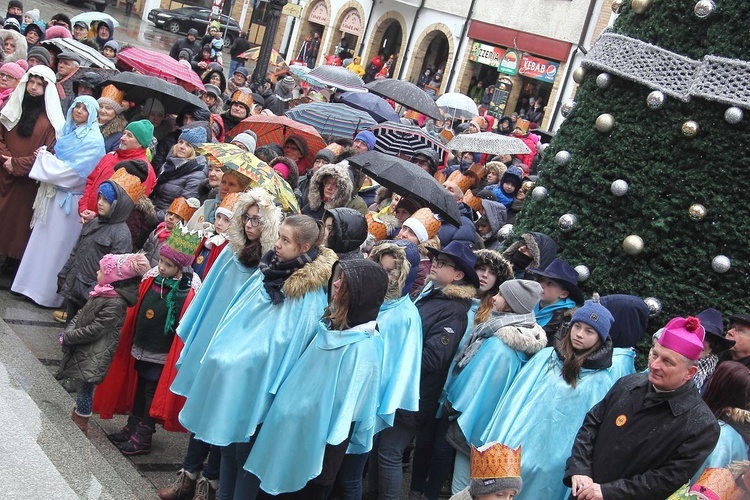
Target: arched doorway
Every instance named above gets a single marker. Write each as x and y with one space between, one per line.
433 50
313 20
347 31
388 36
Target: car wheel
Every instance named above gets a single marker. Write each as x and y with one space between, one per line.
100 6
173 27
228 39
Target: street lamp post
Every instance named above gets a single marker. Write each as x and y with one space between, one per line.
274 14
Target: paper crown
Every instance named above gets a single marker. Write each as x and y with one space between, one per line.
229 201
473 201
243 97
463 181
129 183
181 245
440 177
184 209
380 226
494 461
523 125
112 92
684 336
428 220
717 484
476 172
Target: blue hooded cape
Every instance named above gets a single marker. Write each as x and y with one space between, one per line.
255 346
335 383
623 363
542 413
81 147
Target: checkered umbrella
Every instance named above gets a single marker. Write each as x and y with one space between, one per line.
338 77
395 138
331 120
488 142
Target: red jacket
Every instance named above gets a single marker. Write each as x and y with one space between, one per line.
104 170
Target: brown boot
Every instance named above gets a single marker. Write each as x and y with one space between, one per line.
183 488
81 421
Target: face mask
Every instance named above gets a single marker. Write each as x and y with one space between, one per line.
465 164
520 261
486 237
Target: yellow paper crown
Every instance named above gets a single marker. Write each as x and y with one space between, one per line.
129 183
717 483
494 461
184 209
183 240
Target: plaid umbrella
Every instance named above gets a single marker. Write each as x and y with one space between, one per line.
457 105
488 142
331 120
276 60
407 94
394 138
246 164
336 76
148 62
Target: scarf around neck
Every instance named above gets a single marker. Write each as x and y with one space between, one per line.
485 330
544 314
706 367
275 271
106 291
172 285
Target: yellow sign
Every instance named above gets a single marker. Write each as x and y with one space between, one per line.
292 9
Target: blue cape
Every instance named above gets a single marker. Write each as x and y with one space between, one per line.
81 147
335 383
623 363
401 329
543 413
544 314
729 448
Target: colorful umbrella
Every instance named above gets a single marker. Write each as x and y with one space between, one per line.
148 62
488 142
276 59
331 120
407 94
395 138
259 174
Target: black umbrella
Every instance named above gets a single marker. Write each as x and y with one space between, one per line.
139 87
408 180
407 94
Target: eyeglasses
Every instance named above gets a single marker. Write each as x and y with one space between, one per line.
5 76
254 221
441 263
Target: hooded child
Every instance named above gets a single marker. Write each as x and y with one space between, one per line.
560 296
508 187
531 251
179 212
90 340
215 236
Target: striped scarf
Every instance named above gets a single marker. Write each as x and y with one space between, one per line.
275 271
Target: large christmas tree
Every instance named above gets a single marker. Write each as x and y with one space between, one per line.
659 113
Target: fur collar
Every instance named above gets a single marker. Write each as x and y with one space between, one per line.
340 172
739 419
463 291
145 206
114 126
311 276
433 242
268 211
402 265
523 338
531 244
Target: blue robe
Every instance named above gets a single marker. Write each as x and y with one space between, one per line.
401 329
255 346
543 413
729 448
623 362
335 383
224 281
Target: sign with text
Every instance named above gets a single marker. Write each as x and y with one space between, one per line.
292 9
539 69
486 54
509 63
352 23
319 13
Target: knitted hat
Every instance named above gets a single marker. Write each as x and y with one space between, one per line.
192 31
113 97
57 32
12 24
15 3
181 245
184 208
242 71
23 64
596 316
34 14
227 205
247 140
40 54
521 295
478 122
287 83
717 483
185 54
684 336
13 70
423 223
152 105
129 183
122 267
325 154
143 130
107 191
495 467
194 135
138 168
112 45
368 138
300 142
244 97
408 204
66 55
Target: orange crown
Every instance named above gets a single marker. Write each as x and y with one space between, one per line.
229 201
243 97
112 92
428 220
463 181
494 461
129 183
717 483
473 201
380 225
184 209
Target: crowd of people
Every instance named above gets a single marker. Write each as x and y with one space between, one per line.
321 353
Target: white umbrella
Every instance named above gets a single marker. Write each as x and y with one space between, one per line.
89 17
488 142
457 105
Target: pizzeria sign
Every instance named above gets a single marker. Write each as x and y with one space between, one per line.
486 54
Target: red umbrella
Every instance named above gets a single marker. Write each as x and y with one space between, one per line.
160 65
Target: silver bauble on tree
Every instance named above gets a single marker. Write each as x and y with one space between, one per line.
567 222
654 305
604 81
697 211
633 244
655 100
721 264
567 108
619 187
690 128
605 123
734 115
539 193
704 8
562 158
583 272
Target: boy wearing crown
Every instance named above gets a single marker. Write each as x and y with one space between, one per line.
145 342
495 473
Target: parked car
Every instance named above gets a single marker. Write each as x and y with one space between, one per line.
179 21
99 5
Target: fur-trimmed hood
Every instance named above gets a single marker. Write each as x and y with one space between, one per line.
739 419
311 276
523 338
291 165
402 270
269 213
146 207
340 172
497 263
543 249
433 242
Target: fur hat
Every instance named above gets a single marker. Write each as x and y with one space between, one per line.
40 54
423 223
497 263
181 245
368 138
194 135
684 336
521 295
184 208
269 213
597 317
340 172
300 142
143 130
226 207
247 139
287 168
13 70
113 97
129 183
123 266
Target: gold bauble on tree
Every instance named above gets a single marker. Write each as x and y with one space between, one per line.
640 6
690 128
605 123
579 74
633 244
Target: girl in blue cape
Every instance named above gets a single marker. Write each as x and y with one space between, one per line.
330 399
55 223
251 233
495 353
549 398
255 345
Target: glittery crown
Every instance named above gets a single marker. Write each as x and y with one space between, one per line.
494 461
229 201
184 241
717 484
112 92
129 183
184 209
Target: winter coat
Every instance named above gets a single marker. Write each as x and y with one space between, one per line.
99 237
316 205
178 177
95 332
183 43
348 233
444 321
466 233
635 452
112 132
154 242
104 170
239 47
139 221
543 251
495 214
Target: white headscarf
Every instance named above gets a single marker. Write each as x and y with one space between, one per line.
11 113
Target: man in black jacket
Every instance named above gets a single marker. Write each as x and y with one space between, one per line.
190 42
239 47
739 331
651 432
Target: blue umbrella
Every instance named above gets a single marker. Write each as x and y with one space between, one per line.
330 119
375 106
